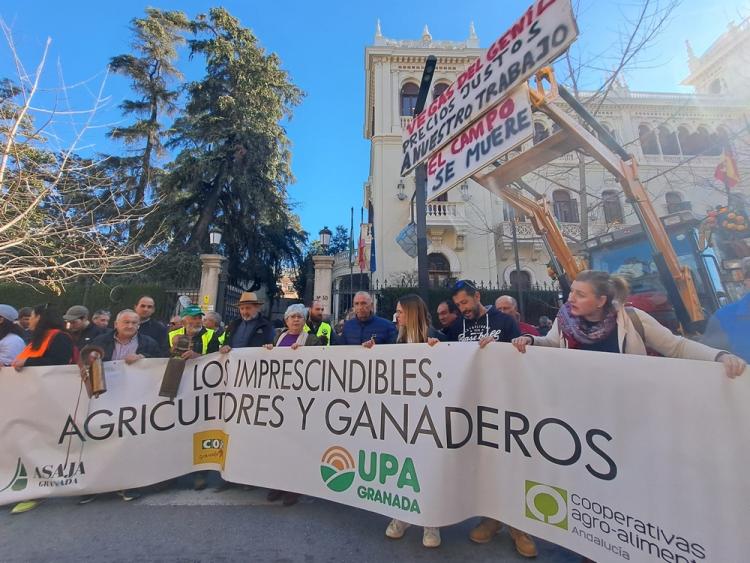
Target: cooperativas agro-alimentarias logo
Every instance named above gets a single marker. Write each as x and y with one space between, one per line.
547 504
338 470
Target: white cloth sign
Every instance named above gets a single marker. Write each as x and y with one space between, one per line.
615 457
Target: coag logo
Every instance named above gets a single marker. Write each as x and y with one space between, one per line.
20 478
547 504
210 446
337 469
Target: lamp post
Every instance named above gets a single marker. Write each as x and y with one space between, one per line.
212 267
325 238
214 238
323 265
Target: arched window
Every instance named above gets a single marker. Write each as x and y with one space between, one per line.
674 202
438 269
520 278
648 140
438 90
565 208
409 93
668 141
612 206
686 140
701 141
540 132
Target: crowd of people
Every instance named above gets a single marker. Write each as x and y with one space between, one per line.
595 318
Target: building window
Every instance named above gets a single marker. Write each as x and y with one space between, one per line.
540 132
520 278
686 140
612 206
648 140
438 90
674 202
668 141
438 270
564 207
715 87
409 93
701 141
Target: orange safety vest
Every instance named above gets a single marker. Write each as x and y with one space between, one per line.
30 352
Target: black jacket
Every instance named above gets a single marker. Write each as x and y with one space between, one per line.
88 334
262 333
158 332
147 346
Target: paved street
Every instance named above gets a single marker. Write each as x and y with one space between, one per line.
232 525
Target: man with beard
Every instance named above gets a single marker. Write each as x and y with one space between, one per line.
79 327
145 307
251 330
316 325
479 324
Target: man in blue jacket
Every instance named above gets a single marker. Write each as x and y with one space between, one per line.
366 325
729 327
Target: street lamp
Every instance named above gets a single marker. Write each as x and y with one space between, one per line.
214 238
325 237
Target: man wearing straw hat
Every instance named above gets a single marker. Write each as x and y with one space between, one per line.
251 330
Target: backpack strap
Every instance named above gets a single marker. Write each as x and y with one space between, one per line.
636 320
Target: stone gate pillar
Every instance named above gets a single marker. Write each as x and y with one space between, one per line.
323 277
211 268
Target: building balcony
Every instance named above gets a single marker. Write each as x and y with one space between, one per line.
525 231
405 120
446 214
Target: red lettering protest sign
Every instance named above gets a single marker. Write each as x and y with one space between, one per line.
499 130
541 34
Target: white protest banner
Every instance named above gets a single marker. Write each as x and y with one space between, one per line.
497 132
615 457
546 29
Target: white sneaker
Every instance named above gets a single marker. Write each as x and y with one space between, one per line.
396 529
431 537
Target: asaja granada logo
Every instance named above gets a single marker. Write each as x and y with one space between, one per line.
547 504
20 478
379 470
210 446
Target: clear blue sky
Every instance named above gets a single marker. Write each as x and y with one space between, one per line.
321 44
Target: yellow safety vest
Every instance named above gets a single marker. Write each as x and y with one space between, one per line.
205 337
323 330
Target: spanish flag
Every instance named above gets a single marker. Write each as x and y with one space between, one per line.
726 170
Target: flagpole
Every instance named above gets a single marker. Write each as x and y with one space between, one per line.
351 262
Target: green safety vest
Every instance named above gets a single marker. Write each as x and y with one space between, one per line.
323 330
205 337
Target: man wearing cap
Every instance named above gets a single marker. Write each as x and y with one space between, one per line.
316 325
251 330
202 340
79 327
11 341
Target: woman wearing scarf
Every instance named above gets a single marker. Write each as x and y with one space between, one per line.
594 319
294 336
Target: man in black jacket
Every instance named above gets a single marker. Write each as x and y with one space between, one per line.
124 342
81 330
145 308
251 330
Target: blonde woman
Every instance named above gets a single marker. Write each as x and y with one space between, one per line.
413 323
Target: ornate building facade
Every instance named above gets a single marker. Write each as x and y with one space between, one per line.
676 138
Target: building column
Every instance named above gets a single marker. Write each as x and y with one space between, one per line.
211 268
323 274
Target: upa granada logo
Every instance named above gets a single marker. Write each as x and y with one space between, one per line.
337 469
547 504
383 478
20 478
210 446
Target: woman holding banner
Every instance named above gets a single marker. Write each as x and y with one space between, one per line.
595 319
49 346
413 322
294 336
